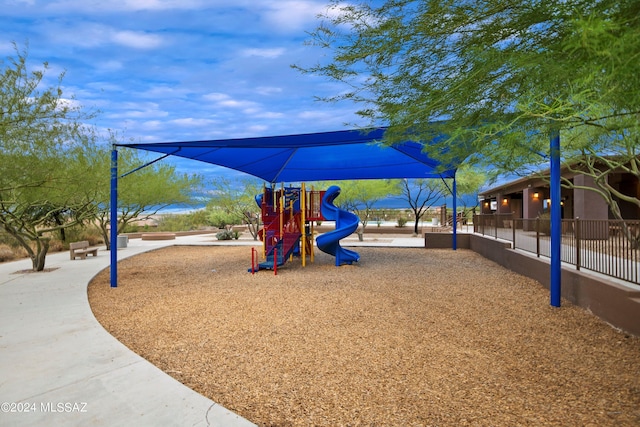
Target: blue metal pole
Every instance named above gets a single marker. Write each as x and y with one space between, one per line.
114 218
455 214
556 220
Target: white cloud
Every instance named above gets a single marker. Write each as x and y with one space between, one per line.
216 96
21 2
91 35
270 115
145 113
226 101
256 129
135 110
101 6
163 92
264 53
159 4
314 115
136 39
293 15
193 122
6 48
182 69
62 103
104 86
268 90
248 106
109 65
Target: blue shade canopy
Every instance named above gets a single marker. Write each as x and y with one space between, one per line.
340 155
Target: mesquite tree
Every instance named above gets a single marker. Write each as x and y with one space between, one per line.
44 183
494 77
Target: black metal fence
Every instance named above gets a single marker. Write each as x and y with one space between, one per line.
610 247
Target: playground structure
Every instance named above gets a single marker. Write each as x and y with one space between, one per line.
288 215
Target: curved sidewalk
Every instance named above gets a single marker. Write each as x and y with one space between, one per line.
60 367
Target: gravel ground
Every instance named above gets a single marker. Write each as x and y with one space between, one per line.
407 337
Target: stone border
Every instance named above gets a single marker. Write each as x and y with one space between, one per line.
158 236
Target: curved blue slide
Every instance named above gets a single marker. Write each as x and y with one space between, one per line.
346 224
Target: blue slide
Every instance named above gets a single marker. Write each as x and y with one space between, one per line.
346 224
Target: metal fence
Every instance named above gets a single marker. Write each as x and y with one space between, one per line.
610 247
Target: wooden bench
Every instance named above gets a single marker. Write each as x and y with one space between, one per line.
81 249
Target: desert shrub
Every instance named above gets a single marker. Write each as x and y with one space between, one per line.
221 218
6 253
544 223
10 253
90 233
73 234
172 222
56 245
402 221
7 239
10 249
227 234
93 238
198 219
184 222
131 228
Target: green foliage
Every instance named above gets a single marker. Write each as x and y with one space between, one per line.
221 218
141 194
90 233
227 234
195 220
469 180
44 185
496 77
234 203
8 239
359 196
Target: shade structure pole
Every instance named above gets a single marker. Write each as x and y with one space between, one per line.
114 218
455 215
556 220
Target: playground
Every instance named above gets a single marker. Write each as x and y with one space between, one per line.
377 336
404 336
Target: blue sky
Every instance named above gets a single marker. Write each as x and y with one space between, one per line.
169 70
182 70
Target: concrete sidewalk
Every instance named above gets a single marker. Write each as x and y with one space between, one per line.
60 367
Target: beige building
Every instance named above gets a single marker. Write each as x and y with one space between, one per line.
528 197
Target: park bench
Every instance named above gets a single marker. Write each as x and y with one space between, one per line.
81 249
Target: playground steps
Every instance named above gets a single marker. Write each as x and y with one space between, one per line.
282 254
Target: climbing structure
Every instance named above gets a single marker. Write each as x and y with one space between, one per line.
287 215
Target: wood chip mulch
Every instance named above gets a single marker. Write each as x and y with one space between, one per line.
407 337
